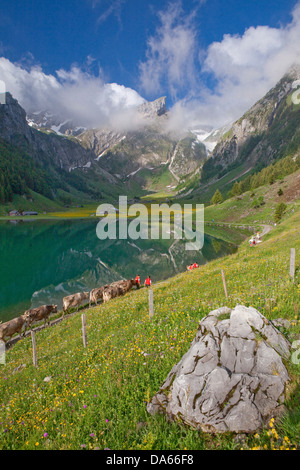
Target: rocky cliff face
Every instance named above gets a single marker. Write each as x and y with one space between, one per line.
13 120
150 110
146 158
58 156
128 155
104 139
149 158
44 148
100 140
148 154
49 122
188 157
265 131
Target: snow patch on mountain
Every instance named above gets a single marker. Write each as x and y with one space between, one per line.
210 137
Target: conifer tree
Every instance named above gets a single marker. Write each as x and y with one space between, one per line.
217 198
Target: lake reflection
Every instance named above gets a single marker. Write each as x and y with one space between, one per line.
43 261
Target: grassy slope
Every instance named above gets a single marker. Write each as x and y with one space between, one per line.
38 203
97 397
204 192
157 180
239 210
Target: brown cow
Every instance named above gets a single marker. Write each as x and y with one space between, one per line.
13 326
110 293
128 285
118 288
125 286
40 313
74 300
97 294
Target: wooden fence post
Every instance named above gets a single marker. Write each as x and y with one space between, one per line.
84 336
224 283
34 352
2 352
292 263
151 310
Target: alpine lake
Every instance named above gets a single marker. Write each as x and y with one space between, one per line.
42 261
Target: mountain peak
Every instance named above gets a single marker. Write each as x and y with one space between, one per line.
294 71
152 109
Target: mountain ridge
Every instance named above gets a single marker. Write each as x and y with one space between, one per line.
59 158
131 154
100 164
268 131
105 162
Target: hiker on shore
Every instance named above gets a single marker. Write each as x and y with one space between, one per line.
148 282
195 265
138 281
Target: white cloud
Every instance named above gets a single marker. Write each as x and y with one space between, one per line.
170 53
73 94
245 68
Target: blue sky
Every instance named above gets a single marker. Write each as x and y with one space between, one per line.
200 54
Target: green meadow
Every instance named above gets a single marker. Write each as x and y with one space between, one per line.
96 397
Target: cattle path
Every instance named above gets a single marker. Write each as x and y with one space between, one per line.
266 229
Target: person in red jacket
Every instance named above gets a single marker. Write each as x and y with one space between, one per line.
195 265
138 281
148 282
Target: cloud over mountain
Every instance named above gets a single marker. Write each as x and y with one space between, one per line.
74 94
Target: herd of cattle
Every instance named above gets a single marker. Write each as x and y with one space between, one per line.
101 294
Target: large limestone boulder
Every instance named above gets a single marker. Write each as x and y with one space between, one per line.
233 377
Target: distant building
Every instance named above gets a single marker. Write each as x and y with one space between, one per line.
14 213
29 213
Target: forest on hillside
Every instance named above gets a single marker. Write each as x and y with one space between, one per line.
19 174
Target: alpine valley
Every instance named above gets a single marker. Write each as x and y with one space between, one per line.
52 163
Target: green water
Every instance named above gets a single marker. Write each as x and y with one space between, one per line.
43 261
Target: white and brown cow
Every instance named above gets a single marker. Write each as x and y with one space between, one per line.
9 328
128 285
74 300
97 294
40 313
125 285
109 293
117 289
